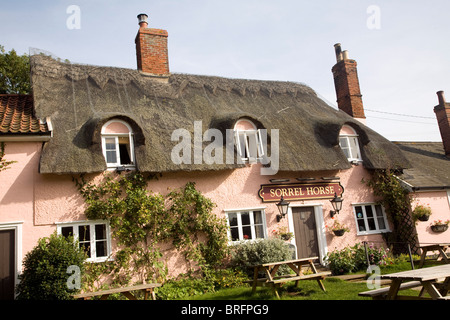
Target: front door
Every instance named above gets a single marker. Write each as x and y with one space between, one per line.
305 232
7 264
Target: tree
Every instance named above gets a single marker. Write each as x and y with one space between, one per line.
14 72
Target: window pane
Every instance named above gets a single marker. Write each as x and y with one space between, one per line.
259 232
124 150
67 231
252 144
84 233
245 218
111 157
343 142
234 234
370 218
354 147
100 232
86 246
110 143
232 219
257 217
100 247
247 232
380 217
360 218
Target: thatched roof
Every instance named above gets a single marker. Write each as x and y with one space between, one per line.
79 99
430 168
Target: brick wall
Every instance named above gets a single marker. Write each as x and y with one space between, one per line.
151 51
348 93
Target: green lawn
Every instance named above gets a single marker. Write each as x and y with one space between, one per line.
337 289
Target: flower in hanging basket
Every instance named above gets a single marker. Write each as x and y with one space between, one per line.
421 212
440 226
283 234
338 229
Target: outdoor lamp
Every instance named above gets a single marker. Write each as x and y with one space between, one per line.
283 207
336 202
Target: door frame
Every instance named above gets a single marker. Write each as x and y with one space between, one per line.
17 227
320 228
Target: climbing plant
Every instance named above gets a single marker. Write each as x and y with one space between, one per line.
3 163
397 203
142 222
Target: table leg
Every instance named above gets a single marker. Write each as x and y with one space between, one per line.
442 255
255 279
445 287
422 258
129 295
431 289
393 290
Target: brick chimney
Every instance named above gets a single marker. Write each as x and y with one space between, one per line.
346 83
442 111
151 49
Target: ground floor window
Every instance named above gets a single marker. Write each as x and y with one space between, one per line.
246 225
370 218
92 236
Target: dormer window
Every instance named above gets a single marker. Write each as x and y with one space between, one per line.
248 141
117 144
348 141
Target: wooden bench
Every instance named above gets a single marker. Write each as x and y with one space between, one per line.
382 292
270 270
126 291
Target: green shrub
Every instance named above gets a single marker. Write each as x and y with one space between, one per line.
212 280
250 253
45 274
352 259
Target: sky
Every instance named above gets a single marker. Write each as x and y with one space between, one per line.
402 47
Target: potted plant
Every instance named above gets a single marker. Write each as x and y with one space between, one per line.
440 226
339 229
283 234
421 212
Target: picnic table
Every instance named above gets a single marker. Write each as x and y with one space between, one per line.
126 291
440 247
270 269
427 278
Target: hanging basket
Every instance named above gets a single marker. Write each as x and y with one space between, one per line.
339 233
439 228
425 217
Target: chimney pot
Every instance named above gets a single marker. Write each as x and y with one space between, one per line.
142 18
338 51
441 98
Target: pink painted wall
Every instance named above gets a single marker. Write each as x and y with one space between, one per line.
438 201
17 191
40 201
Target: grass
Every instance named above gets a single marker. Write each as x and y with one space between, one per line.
337 289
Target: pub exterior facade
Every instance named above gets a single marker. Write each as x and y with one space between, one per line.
245 143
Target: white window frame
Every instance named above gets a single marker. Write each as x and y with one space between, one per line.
249 150
116 137
238 213
366 223
91 224
350 149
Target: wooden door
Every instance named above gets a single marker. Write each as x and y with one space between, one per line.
7 264
305 232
